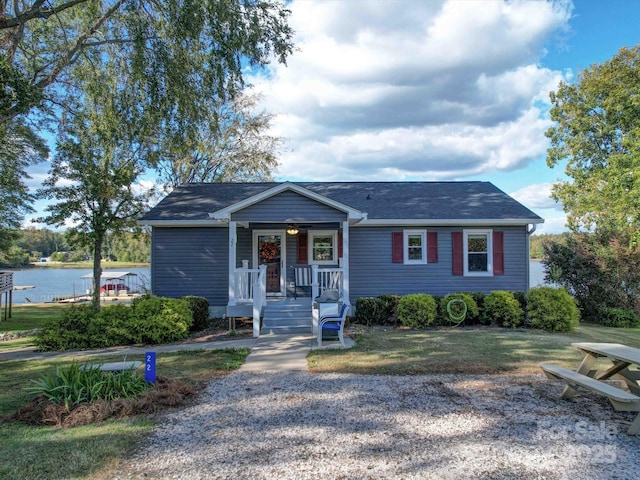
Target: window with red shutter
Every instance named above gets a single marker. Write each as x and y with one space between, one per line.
397 247
432 247
457 253
303 248
498 253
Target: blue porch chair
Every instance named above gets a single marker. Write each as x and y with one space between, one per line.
333 323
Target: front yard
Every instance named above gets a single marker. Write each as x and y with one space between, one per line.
463 350
28 452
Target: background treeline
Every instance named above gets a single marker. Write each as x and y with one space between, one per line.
537 242
34 244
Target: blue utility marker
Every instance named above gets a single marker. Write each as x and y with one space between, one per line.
150 367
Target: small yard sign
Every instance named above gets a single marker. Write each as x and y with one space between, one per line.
150 367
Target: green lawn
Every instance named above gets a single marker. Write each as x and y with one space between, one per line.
28 452
459 350
44 452
30 316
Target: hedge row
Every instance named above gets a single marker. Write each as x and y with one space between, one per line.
546 308
148 320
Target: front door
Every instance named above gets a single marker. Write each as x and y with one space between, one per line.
268 249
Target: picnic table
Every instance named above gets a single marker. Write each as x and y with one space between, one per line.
624 363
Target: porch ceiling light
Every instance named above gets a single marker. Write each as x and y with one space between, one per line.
292 230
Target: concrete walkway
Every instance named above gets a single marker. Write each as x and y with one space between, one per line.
30 353
269 353
278 353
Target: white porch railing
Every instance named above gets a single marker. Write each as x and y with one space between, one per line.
245 278
251 287
326 279
259 298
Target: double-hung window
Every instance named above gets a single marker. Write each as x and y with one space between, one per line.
415 246
323 247
478 252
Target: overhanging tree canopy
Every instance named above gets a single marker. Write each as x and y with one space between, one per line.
597 134
175 56
173 48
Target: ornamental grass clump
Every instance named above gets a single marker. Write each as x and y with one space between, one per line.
74 384
417 310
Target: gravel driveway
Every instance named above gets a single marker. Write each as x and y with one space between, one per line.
297 425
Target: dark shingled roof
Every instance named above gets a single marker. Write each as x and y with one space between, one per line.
380 200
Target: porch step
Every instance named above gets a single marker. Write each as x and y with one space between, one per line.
287 316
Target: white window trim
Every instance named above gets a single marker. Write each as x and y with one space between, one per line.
405 247
323 233
465 245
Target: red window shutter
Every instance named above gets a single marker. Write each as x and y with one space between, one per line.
303 247
339 244
397 248
432 247
498 253
457 253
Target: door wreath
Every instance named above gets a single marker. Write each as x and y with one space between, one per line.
269 251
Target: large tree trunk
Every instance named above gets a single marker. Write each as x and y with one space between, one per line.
97 269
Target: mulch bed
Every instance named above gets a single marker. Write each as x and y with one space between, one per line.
167 393
220 329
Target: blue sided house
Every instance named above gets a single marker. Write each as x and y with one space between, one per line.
265 250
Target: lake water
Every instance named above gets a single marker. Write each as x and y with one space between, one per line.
53 282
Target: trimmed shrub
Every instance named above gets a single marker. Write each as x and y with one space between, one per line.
389 314
199 307
552 309
149 320
68 331
160 319
367 310
521 297
112 326
472 308
376 311
503 309
620 318
417 310
482 317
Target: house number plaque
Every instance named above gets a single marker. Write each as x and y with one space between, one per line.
150 367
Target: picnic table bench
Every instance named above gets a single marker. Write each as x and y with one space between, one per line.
586 376
113 366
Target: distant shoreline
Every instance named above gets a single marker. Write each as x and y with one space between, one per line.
83 265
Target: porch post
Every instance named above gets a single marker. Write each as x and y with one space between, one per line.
345 262
315 285
232 263
315 291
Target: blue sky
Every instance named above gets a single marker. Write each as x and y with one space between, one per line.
438 90
434 90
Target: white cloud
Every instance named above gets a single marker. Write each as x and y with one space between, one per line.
413 90
536 196
552 225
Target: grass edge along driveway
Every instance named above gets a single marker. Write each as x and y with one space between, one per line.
28 452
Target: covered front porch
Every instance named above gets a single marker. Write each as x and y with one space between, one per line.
268 264
283 242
